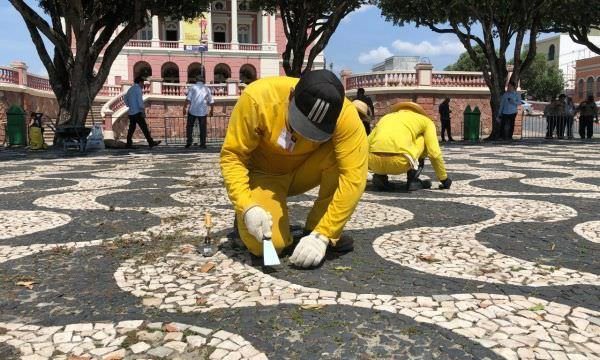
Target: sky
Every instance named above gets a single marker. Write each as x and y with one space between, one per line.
363 39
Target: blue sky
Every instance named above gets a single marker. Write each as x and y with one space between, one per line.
363 39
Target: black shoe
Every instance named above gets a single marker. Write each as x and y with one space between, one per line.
418 184
443 140
344 244
451 139
154 143
202 146
187 146
382 183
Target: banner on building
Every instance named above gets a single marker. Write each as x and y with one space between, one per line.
194 32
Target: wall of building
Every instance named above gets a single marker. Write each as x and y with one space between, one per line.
585 69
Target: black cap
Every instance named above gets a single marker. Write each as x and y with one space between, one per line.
316 106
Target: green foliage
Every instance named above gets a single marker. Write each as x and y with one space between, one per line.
580 19
541 80
466 63
308 26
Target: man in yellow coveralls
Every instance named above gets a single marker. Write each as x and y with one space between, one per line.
400 143
285 137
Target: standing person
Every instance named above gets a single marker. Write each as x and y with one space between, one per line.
360 95
561 117
508 111
285 137
570 115
588 112
444 111
134 99
399 144
199 96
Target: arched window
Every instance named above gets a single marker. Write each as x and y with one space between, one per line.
222 73
244 34
219 5
243 5
219 33
145 33
551 52
247 74
580 86
589 87
142 68
170 73
194 70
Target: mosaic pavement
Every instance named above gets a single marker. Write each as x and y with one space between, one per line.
99 260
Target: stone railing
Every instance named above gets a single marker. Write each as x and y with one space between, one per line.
139 43
250 47
457 79
421 76
110 90
38 83
9 76
221 46
169 44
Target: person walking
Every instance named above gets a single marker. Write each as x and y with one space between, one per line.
360 95
198 99
588 113
570 113
445 111
508 111
134 99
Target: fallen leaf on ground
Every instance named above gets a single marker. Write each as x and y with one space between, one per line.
342 268
201 301
312 306
207 267
428 258
27 284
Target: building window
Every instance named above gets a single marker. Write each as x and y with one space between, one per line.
222 73
219 5
243 6
170 73
195 70
580 88
247 74
145 33
244 34
172 31
551 52
219 33
590 87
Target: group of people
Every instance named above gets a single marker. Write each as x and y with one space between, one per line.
287 136
560 114
198 106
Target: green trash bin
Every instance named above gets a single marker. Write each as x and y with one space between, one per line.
16 129
472 123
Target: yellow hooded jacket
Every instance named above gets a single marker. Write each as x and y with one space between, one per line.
256 123
396 133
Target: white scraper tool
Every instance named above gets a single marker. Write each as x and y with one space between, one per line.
270 257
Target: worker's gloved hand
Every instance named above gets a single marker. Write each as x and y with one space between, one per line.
445 184
258 222
310 251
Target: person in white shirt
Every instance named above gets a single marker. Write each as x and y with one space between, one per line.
199 97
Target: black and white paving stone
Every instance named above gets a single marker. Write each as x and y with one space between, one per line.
99 259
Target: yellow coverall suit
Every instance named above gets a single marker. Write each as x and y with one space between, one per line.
400 140
259 171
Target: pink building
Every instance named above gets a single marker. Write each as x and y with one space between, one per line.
242 45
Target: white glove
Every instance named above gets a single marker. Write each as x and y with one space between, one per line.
310 251
258 222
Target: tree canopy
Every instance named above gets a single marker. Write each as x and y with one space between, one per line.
84 34
465 63
492 25
579 18
541 80
308 26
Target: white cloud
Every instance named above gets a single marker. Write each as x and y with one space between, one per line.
425 48
363 8
374 56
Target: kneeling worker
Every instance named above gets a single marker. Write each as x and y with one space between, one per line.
285 137
399 144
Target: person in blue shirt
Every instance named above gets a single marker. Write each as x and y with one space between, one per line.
508 111
199 97
137 116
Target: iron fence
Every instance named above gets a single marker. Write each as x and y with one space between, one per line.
172 130
556 127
